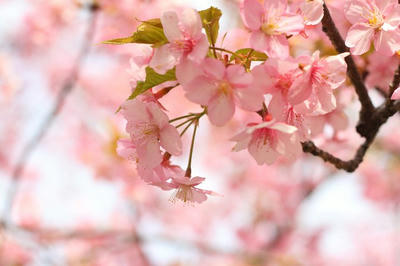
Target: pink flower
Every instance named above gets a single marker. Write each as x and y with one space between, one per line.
270 24
376 21
269 140
312 11
276 77
396 94
186 189
317 82
186 41
149 129
220 88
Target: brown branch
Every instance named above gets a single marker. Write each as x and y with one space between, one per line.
367 107
66 89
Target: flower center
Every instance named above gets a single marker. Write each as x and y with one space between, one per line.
269 28
375 19
184 45
224 87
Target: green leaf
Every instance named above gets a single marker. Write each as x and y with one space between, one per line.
254 55
152 79
210 20
148 32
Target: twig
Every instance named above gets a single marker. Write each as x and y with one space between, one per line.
33 143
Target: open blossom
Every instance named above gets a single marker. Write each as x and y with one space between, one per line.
317 82
220 88
268 140
149 129
187 191
373 20
186 41
270 24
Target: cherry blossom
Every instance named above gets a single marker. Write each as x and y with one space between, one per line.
221 88
376 21
268 140
186 41
149 129
270 24
187 191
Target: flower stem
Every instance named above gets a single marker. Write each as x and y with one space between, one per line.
189 166
224 50
181 117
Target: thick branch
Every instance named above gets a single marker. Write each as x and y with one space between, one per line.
366 105
33 143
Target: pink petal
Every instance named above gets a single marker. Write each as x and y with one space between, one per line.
290 24
221 109
200 90
278 46
191 22
261 79
170 23
282 127
326 99
237 76
300 89
170 140
249 99
243 139
390 43
262 152
396 94
163 60
187 70
359 38
198 195
214 68
258 41
313 12
252 14
200 50
149 153
158 117
355 10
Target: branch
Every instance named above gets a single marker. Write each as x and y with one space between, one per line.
332 32
66 89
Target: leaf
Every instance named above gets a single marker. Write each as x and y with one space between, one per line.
210 20
148 32
152 79
254 56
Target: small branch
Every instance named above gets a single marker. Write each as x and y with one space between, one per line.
367 107
62 95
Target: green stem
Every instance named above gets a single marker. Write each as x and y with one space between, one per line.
189 166
181 117
224 50
187 127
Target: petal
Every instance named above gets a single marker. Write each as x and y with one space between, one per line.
301 89
221 109
200 50
200 90
242 139
312 12
262 152
258 41
237 76
170 140
261 79
278 46
214 68
396 94
252 14
290 24
355 10
163 60
191 22
359 38
326 99
170 23
187 70
282 127
158 117
149 153
390 43
249 99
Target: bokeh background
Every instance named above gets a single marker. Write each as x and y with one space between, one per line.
67 198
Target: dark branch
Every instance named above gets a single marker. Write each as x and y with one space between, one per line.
332 32
33 143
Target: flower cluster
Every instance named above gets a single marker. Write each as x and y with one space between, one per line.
293 94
